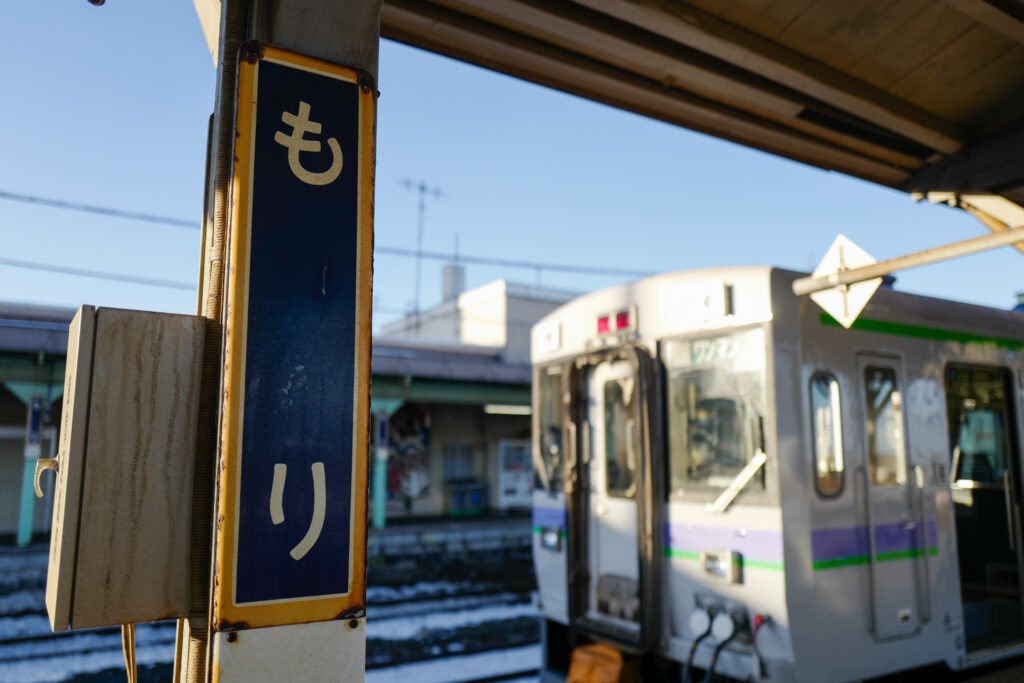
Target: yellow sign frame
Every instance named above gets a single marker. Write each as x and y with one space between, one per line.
227 615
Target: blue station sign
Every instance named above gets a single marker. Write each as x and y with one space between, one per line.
291 547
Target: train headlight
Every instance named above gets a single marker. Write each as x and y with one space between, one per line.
716 565
551 538
700 622
723 627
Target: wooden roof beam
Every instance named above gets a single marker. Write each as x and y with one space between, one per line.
988 166
991 16
702 31
428 26
624 46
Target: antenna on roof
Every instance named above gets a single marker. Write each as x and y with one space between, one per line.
422 188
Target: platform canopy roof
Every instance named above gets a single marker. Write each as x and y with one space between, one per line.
920 95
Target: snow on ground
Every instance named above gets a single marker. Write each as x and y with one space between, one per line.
55 659
35 557
407 627
55 669
28 656
422 589
87 641
21 601
23 626
467 667
448 604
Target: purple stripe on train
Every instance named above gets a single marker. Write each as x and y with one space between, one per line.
549 517
754 544
836 544
845 542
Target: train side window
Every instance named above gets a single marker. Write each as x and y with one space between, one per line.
886 458
827 434
548 452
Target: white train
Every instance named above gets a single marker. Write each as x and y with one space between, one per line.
729 480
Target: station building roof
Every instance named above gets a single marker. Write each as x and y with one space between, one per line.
30 328
445 360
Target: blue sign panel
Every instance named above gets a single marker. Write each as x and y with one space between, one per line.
34 420
295 487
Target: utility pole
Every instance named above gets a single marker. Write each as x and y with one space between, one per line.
423 189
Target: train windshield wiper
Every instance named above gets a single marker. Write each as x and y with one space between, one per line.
725 499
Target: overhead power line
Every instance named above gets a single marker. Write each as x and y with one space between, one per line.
512 263
64 270
172 284
393 251
101 210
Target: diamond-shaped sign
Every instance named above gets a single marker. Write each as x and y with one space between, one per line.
845 302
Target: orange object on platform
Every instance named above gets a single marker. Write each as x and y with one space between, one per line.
598 663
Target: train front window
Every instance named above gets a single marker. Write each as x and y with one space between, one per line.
716 403
548 445
620 453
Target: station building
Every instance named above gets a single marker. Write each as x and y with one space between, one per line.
33 345
453 383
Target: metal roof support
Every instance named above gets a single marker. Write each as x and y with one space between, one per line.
807 285
996 213
989 165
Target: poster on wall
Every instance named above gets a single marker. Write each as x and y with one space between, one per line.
408 458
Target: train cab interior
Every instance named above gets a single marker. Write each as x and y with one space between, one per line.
985 473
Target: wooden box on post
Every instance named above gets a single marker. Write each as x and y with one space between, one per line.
119 551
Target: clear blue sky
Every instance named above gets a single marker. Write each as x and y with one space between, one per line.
109 106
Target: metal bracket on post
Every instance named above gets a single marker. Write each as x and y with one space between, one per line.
43 464
825 284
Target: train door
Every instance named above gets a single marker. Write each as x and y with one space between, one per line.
616 555
985 472
612 472
896 535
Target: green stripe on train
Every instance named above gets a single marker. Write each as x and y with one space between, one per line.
905 554
819 565
855 560
764 564
840 562
682 554
540 529
922 332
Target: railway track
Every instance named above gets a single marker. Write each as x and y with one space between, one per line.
430 624
513 676
438 621
500 664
